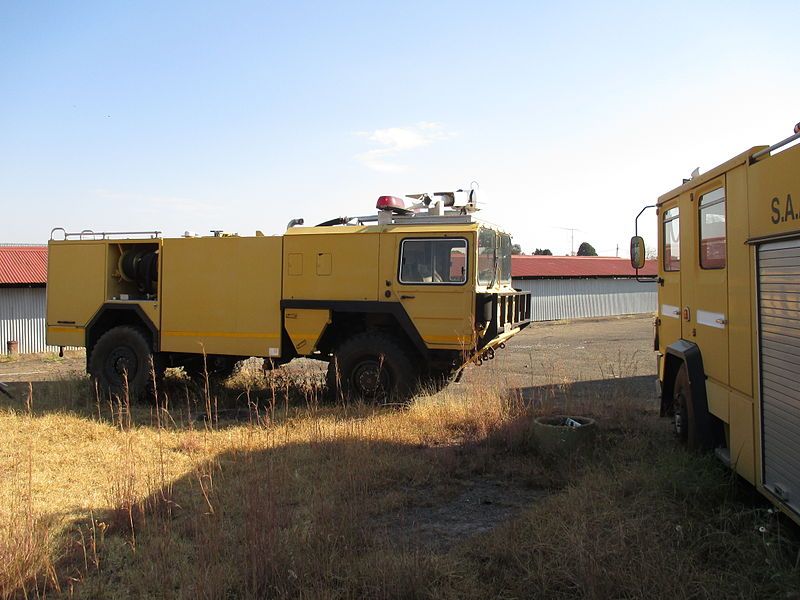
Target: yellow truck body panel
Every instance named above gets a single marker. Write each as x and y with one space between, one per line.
221 295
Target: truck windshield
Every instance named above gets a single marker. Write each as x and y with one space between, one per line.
487 256
505 258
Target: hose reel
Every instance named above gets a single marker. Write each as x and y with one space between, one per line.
140 267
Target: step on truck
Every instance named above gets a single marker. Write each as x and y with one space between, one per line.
402 298
728 323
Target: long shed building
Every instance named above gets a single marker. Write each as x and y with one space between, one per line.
23 277
574 287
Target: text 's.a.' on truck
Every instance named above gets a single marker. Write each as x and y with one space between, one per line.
394 300
728 323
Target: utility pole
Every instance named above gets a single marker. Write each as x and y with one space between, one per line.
572 231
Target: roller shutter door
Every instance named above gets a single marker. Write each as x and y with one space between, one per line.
779 326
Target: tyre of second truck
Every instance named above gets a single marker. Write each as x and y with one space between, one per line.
373 366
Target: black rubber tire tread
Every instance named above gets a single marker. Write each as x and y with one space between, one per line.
696 434
132 342
396 364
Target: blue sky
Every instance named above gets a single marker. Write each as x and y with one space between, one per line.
240 116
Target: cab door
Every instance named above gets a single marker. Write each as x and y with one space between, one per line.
429 274
705 274
669 297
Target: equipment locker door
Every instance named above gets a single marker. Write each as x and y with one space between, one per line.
779 345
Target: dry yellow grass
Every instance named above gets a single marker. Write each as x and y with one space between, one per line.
295 498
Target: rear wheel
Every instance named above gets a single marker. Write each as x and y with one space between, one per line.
373 367
122 360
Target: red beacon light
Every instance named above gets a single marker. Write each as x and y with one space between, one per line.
392 203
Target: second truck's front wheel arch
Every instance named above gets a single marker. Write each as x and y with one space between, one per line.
694 424
373 366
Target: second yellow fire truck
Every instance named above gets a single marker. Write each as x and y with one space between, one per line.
728 324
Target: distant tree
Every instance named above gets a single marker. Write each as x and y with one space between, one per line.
516 249
650 253
543 252
586 249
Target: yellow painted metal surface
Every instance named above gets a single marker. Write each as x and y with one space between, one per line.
741 269
334 265
718 400
305 326
774 192
742 439
221 295
66 336
76 280
443 314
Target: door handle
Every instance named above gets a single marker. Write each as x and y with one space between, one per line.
406 297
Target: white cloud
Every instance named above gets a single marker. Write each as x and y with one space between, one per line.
395 141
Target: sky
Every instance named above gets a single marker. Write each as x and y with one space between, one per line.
240 116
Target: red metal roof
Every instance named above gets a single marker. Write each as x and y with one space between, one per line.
23 264
577 266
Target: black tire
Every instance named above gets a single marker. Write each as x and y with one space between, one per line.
373 367
692 421
123 353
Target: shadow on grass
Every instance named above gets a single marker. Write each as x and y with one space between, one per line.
366 518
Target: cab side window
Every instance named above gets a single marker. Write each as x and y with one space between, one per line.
712 229
433 261
672 240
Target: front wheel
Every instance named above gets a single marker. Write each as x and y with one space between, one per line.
374 367
692 421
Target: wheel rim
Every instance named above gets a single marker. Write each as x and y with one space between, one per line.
371 379
122 363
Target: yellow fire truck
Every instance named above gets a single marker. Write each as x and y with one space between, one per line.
392 300
728 323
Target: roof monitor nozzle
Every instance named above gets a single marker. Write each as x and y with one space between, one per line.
294 222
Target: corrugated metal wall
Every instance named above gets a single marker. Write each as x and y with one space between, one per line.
22 319
554 299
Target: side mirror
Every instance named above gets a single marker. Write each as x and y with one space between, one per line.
637 252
